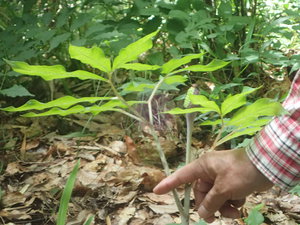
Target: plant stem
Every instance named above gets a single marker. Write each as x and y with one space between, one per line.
161 153
117 94
129 114
149 102
188 158
167 172
153 133
215 144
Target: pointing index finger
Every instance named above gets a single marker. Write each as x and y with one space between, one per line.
184 175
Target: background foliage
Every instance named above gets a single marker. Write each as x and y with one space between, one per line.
258 36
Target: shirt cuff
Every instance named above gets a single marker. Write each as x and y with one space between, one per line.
275 151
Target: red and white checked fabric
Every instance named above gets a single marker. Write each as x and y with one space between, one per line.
275 150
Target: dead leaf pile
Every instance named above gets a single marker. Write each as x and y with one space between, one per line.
111 184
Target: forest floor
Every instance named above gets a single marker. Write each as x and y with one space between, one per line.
112 183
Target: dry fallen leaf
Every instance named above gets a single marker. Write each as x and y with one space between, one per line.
13 198
86 177
118 146
15 167
165 199
162 209
125 215
163 220
131 150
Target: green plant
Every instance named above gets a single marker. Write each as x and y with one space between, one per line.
247 118
66 195
296 190
255 216
89 220
97 59
1 194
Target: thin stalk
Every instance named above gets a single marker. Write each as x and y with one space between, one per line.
149 102
117 94
161 153
167 171
92 116
129 114
188 158
215 144
153 133
224 138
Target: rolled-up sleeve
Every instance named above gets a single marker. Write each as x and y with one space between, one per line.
275 150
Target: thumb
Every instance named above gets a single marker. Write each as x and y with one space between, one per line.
184 175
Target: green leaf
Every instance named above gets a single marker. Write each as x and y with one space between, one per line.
185 111
175 79
138 87
247 115
63 102
93 56
255 217
58 111
66 196
225 9
235 101
212 66
89 220
111 106
295 190
200 222
175 63
255 122
1 193
132 51
203 101
94 109
247 131
212 123
16 91
51 72
57 40
139 66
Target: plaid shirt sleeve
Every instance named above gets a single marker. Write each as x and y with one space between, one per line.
275 150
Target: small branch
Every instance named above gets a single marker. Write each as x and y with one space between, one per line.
128 114
228 135
117 94
215 144
149 102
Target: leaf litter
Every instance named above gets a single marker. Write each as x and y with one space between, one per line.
113 182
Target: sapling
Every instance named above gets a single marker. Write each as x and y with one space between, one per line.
170 74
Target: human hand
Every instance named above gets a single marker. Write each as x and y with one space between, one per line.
223 179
